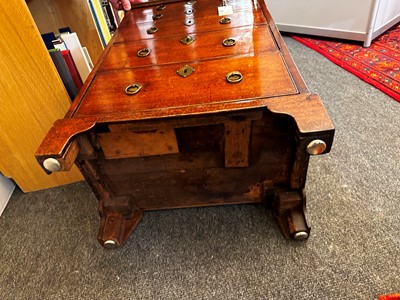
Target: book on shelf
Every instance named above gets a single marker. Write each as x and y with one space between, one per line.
83 64
64 72
72 68
109 15
100 21
76 56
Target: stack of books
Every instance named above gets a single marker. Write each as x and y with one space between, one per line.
72 61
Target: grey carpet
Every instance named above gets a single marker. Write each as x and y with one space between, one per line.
49 250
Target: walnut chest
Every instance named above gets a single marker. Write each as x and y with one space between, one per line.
192 104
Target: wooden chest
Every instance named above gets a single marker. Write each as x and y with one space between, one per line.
186 108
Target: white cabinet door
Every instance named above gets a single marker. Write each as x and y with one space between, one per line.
359 20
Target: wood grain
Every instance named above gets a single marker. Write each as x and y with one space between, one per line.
32 97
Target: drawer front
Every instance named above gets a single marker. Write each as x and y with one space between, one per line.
247 40
178 23
263 76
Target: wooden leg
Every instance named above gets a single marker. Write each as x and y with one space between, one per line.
115 228
118 220
289 209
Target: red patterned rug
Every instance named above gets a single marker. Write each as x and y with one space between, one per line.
379 65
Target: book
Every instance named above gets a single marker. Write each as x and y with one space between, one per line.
72 68
48 39
63 70
73 44
100 21
109 15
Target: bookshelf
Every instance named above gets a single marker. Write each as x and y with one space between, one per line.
32 96
49 15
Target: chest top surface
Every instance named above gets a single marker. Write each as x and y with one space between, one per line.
183 55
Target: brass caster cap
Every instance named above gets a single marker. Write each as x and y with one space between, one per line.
316 147
52 165
110 244
300 236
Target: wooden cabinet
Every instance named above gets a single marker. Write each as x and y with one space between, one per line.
32 97
359 20
189 108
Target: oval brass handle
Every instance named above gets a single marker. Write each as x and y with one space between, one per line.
143 52
225 20
229 42
191 2
157 17
152 30
234 77
161 7
133 89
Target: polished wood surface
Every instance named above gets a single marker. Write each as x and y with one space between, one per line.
32 98
249 40
194 140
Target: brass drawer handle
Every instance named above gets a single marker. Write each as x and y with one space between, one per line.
234 77
152 30
161 7
133 89
191 2
225 20
188 40
143 52
229 42
157 16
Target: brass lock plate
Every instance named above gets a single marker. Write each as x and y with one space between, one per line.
185 71
187 40
189 22
189 11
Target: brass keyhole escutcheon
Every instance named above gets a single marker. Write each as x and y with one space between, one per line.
133 89
157 16
234 77
152 30
189 11
189 22
143 52
229 42
161 7
185 71
225 20
187 40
